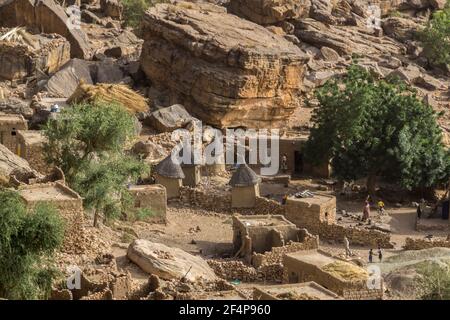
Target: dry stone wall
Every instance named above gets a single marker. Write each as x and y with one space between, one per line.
419 244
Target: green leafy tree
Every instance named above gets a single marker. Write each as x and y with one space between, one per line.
105 185
436 37
85 132
370 128
87 142
27 241
133 10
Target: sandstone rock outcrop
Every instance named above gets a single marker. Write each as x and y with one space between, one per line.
11 164
269 11
168 262
170 118
25 55
48 17
64 82
225 70
345 40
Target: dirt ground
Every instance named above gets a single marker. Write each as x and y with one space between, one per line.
210 234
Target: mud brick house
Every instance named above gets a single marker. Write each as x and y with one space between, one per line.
311 212
69 204
293 148
170 175
295 291
27 55
9 126
260 233
30 145
152 198
343 278
245 187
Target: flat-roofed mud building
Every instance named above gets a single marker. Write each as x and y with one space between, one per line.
294 291
30 146
343 278
260 233
67 202
9 126
310 212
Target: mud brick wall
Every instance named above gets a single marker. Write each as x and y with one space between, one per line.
419 244
275 256
355 235
268 206
33 153
153 198
209 201
9 128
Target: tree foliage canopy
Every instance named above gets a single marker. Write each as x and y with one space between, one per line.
436 37
134 10
87 142
371 127
27 240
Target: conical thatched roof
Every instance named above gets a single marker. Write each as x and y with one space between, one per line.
169 169
244 177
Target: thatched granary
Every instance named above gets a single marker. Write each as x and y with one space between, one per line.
170 175
245 187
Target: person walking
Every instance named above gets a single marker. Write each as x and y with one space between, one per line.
370 256
380 254
366 211
284 165
348 252
381 207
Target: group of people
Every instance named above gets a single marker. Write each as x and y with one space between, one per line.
366 211
348 252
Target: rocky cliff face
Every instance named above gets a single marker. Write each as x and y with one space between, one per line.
269 11
45 16
37 53
227 71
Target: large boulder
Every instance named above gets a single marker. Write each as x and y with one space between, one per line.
48 17
225 70
401 29
64 82
170 118
13 165
168 262
112 8
27 55
269 11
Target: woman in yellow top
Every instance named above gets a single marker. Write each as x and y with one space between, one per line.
381 207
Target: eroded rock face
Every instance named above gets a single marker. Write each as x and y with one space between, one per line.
36 54
269 11
225 70
167 262
11 164
48 17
